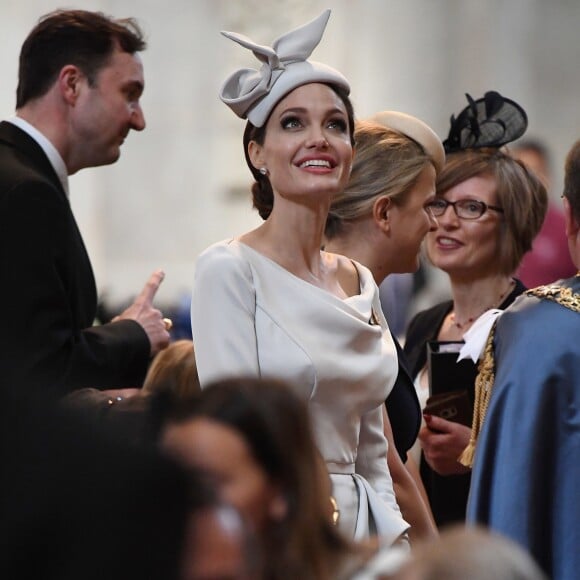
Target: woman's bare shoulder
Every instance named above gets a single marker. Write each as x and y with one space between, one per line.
345 272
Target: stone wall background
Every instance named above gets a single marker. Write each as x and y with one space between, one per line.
182 184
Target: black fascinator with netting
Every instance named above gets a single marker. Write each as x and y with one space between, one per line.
491 121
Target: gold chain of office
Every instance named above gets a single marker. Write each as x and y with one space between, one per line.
559 294
486 377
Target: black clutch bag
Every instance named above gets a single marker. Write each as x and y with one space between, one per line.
445 373
453 406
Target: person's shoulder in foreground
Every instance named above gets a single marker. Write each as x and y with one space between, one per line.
526 464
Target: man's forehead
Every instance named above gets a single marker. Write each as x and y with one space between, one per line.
128 67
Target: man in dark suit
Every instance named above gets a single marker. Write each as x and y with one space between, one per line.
80 81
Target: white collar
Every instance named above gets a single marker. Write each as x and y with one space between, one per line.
49 149
476 337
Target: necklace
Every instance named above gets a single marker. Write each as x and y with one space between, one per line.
465 323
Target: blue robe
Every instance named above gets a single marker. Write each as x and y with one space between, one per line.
526 475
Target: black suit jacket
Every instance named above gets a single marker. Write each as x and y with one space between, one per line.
47 288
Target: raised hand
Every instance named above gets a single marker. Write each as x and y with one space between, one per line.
150 318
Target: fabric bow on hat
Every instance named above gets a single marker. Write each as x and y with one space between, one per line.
252 93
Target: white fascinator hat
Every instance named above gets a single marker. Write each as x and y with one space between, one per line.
416 130
253 93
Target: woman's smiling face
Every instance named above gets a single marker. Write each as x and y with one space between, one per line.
467 248
307 147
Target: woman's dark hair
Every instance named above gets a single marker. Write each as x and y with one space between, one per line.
274 423
262 194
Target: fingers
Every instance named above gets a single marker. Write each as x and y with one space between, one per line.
437 423
424 434
158 337
151 287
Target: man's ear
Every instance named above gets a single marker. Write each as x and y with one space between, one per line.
381 208
255 153
69 83
572 225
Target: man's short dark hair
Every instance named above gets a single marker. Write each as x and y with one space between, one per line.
79 37
572 179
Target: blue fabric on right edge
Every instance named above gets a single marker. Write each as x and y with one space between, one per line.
526 475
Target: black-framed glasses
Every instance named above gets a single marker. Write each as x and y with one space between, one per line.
466 209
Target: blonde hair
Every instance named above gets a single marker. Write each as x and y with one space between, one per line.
386 163
469 552
174 370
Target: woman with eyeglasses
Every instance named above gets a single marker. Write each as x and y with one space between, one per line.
489 208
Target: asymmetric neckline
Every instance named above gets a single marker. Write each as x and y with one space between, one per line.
362 278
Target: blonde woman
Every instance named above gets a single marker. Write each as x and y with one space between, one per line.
380 220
